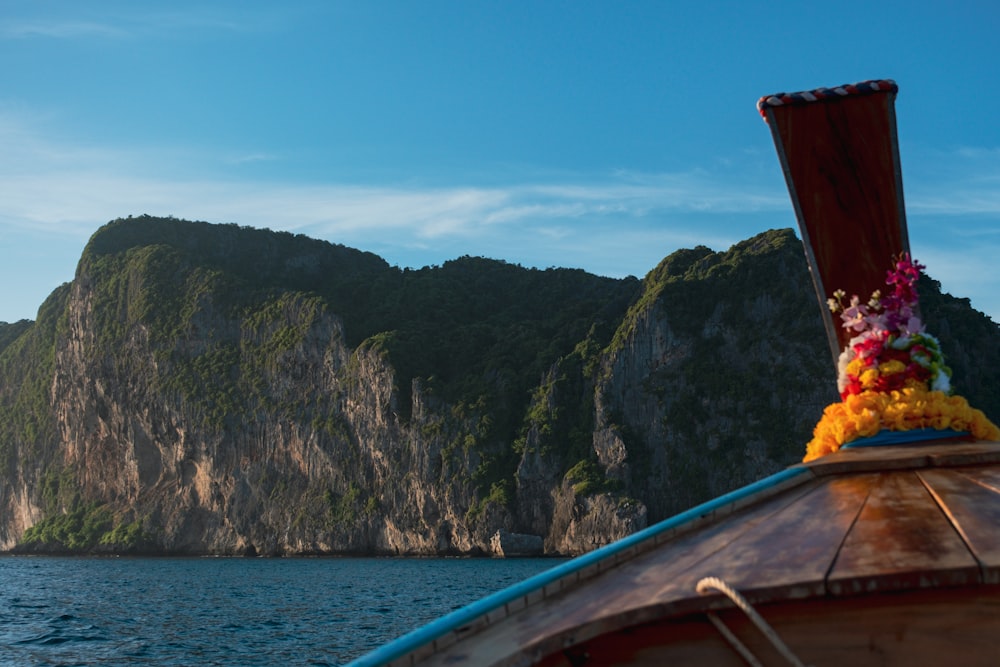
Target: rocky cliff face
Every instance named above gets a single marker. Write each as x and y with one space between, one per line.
314 460
174 400
718 379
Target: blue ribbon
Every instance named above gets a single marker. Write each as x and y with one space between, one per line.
888 438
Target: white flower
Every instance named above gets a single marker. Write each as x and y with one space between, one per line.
845 358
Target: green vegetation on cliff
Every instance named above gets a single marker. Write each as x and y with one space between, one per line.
475 331
27 358
471 327
207 369
72 525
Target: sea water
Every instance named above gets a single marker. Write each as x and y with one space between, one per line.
230 611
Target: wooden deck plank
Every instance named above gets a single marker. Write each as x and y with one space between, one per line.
902 539
958 453
986 475
789 556
972 503
869 459
661 577
949 451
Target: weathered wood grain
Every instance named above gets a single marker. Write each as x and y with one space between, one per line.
901 539
972 503
790 555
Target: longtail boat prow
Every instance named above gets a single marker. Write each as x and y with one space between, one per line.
881 548
841 160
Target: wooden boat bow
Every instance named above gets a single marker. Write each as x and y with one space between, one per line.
862 548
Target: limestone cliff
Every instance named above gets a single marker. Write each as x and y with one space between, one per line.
205 389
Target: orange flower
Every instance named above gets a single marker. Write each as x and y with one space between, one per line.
864 415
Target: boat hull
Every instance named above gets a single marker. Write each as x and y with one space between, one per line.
946 626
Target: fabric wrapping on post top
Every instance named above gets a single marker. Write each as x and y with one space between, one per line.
820 94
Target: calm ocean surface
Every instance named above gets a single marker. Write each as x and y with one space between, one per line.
229 611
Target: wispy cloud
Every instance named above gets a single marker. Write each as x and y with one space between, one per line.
251 158
961 182
613 224
339 211
131 23
960 201
45 182
59 29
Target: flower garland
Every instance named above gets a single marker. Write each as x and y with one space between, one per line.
892 374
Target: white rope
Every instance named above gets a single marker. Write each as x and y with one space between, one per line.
708 583
734 641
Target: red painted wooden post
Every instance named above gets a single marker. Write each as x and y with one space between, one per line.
839 153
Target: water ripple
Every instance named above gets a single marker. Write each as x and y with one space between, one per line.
87 612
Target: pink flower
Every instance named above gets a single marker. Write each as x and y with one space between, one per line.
912 326
854 316
888 329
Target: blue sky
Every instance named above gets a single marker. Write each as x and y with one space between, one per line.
597 135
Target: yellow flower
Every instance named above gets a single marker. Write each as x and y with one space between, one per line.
891 367
868 378
855 366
